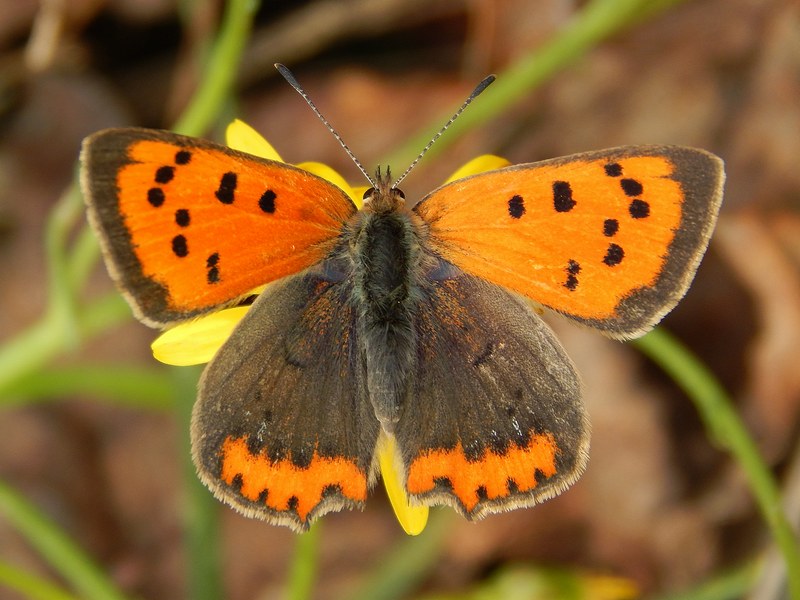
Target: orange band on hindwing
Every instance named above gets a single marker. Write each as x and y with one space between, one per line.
283 486
494 476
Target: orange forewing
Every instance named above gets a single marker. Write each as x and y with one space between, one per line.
609 238
195 225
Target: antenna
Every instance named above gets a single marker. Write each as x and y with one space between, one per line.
287 75
475 93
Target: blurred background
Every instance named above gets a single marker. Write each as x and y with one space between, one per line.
661 506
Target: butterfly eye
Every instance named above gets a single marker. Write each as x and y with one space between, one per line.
400 193
368 194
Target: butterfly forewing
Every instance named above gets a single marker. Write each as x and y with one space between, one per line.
610 238
188 225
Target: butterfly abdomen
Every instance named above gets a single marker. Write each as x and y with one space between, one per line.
385 251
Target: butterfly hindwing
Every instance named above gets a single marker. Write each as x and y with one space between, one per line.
187 225
610 238
282 429
495 419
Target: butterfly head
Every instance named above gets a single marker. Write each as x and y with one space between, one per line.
383 197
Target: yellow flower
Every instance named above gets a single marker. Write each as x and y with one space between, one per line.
197 341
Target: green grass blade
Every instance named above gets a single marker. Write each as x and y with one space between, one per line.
302 572
411 560
60 552
30 586
727 429
137 387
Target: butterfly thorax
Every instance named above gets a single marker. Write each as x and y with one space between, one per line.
385 253
383 197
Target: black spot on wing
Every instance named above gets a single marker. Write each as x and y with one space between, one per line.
516 206
267 201
227 188
155 196
212 266
614 255
562 196
631 187
610 227
182 217
164 174
179 246
573 268
639 209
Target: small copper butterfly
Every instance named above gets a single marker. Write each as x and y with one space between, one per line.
417 323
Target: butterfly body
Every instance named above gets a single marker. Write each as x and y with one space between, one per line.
384 247
412 323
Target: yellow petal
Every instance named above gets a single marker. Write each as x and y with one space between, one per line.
196 342
358 194
240 136
481 164
412 518
322 170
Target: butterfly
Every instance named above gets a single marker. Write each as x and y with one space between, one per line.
417 323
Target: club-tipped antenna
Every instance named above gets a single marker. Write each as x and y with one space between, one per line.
287 75
475 93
